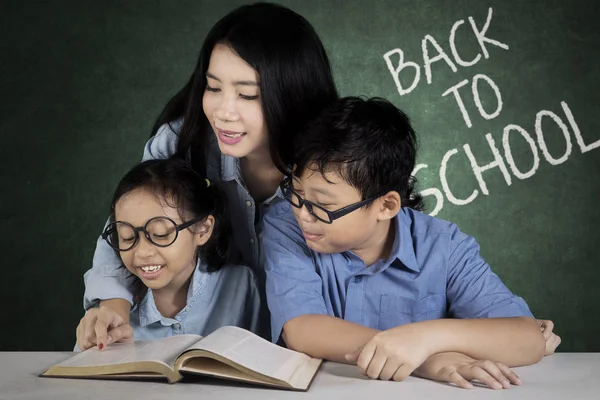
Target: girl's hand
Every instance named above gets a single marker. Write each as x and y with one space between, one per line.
552 339
460 369
102 326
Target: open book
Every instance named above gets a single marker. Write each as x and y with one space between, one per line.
229 353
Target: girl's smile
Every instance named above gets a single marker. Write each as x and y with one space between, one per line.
149 271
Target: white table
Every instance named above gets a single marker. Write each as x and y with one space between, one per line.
563 376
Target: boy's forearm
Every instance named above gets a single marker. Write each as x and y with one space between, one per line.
511 341
120 306
326 337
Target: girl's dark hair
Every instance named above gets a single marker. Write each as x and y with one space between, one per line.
175 182
369 142
295 76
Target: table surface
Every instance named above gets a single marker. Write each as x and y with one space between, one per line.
569 376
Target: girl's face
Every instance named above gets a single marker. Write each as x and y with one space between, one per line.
160 268
232 104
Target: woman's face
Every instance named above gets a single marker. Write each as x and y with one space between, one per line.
232 104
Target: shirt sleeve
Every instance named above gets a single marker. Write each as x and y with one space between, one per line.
293 286
108 279
164 143
473 290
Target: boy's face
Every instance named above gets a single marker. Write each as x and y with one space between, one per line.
357 231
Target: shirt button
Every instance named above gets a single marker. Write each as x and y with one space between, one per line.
357 279
177 326
252 240
248 203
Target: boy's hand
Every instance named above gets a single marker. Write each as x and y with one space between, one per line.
392 354
102 326
552 339
459 369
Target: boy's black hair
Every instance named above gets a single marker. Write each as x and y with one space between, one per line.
175 182
295 79
369 142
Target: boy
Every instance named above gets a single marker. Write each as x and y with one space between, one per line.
356 274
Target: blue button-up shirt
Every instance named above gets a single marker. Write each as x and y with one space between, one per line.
434 271
229 296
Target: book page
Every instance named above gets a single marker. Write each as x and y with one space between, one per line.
253 352
164 350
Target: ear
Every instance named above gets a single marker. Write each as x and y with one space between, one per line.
388 205
203 230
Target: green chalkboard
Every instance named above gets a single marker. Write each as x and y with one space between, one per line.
504 96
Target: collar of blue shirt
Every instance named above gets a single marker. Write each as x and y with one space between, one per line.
229 168
148 312
403 244
231 171
402 249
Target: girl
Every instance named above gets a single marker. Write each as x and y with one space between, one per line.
261 75
169 228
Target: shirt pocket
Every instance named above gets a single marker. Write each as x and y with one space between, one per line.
398 310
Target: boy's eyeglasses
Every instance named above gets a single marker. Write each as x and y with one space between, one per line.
160 231
315 210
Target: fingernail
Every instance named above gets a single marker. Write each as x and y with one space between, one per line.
497 385
100 346
109 339
519 382
469 385
506 384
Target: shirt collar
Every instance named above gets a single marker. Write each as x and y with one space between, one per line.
403 249
277 195
148 312
230 168
231 171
